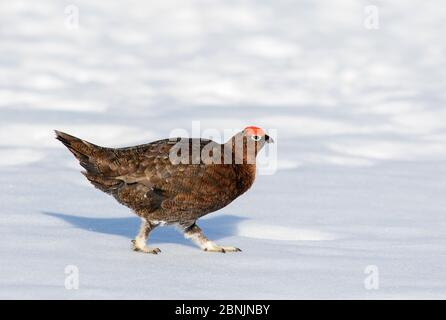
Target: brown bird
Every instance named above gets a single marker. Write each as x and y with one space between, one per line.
173 181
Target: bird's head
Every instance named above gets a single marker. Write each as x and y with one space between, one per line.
258 135
248 143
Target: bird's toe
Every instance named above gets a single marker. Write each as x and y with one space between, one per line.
232 249
157 250
147 250
144 249
221 249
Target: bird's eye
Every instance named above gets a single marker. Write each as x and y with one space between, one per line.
256 138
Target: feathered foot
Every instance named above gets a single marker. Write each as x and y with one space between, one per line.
139 244
213 247
144 248
194 233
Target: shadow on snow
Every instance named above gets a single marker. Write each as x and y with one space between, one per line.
215 228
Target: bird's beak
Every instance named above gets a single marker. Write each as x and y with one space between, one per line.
268 139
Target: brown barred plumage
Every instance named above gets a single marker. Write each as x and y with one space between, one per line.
144 179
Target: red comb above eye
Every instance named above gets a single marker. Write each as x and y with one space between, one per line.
254 131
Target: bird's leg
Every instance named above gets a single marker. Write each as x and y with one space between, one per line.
194 233
139 244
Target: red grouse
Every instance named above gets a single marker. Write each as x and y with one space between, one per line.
173 181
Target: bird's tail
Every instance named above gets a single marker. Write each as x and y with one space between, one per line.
84 151
94 159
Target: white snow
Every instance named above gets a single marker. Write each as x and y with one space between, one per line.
272 232
361 145
17 157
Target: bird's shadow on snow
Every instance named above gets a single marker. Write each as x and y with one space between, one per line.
215 228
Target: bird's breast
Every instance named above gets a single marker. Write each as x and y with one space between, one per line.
246 175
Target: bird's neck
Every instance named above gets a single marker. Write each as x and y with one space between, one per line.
240 152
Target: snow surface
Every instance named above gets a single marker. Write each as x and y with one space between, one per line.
361 123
